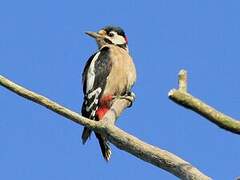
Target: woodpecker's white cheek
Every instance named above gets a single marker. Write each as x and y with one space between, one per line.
91 73
118 40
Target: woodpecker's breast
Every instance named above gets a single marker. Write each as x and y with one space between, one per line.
123 73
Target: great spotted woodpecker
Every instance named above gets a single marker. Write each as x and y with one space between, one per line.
108 73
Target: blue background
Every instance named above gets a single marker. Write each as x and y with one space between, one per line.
43 47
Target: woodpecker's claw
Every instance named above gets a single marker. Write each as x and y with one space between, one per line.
130 96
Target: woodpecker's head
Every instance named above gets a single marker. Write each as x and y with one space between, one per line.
110 35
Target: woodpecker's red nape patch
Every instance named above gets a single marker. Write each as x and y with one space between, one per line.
126 39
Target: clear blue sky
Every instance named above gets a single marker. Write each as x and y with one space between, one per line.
43 47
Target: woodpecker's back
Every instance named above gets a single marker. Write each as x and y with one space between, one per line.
108 73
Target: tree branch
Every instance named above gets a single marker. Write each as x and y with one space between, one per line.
124 141
181 97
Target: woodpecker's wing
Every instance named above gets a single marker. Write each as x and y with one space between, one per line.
94 78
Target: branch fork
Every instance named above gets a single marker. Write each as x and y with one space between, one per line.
185 99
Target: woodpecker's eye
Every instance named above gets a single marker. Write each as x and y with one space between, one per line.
111 34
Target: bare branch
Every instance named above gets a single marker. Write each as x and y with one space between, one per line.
186 100
124 141
182 80
21 91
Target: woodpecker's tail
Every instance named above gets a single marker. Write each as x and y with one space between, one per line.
105 146
86 134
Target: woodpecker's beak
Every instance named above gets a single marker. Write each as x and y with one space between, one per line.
94 34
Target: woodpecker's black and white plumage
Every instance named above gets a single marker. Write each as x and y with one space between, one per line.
108 73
